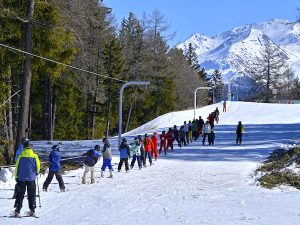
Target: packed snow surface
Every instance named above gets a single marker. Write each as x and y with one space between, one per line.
192 185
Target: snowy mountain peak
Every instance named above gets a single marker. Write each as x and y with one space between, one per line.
231 51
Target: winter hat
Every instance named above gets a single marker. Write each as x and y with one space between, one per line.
163 132
26 143
124 140
97 147
55 147
146 135
104 140
155 133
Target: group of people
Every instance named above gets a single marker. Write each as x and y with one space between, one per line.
142 147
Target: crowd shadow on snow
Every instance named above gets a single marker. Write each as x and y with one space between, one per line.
258 142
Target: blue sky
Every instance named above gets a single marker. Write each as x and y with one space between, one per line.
209 17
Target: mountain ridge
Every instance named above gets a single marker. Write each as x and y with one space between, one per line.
231 51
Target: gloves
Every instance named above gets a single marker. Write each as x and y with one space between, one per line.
16 179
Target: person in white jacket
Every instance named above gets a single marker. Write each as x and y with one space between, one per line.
206 132
186 131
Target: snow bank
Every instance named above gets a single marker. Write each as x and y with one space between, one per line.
6 174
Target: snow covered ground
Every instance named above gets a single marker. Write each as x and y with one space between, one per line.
193 185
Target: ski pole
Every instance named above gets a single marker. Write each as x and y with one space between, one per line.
37 180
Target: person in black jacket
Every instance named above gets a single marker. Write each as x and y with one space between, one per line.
239 133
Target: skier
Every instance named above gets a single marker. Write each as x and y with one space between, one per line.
170 140
200 125
90 161
163 142
124 155
186 130
194 130
216 115
142 150
54 169
239 133
182 136
176 135
27 168
18 152
154 140
206 132
224 106
136 149
211 119
148 145
106 152
190 132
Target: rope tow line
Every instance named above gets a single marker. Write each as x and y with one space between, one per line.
63 64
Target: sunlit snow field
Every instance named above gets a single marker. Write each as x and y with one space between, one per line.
193 185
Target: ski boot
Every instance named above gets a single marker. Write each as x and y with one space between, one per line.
45 189
83 181
92 181
110 174
102 173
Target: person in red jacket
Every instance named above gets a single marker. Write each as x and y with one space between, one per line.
170 139
154 140
148 145
163 142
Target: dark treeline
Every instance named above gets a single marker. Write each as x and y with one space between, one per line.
71 104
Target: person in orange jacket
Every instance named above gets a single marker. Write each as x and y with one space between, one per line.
148 145
170 139
163 142
154 140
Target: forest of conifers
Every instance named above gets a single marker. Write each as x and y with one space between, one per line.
73 104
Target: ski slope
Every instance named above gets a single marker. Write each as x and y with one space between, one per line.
194 185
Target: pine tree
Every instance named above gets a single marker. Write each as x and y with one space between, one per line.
113 63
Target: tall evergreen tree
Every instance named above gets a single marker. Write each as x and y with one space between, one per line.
113 63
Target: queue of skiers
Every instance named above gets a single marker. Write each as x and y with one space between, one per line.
143 148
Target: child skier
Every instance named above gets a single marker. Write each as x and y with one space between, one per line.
206 132
182 136
148 145
154 140
136 149
163 142
90 161
54 169
124 155
142 150
106 152
170 139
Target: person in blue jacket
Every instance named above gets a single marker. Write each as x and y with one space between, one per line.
27 168
124 155
54 169
90 161
18 152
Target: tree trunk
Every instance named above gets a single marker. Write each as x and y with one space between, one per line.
44 111
128 118
26 80
49 108
88 118
53 116
268 84
95 107
108 112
